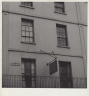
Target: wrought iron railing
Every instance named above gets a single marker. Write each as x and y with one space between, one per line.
16 81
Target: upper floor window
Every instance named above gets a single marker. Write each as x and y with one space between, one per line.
59 7
29 4
61 35
27 31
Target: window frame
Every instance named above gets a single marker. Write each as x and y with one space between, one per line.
65 38
33 37
26 6
63 12
25 60
69 75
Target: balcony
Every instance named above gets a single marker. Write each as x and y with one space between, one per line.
17 81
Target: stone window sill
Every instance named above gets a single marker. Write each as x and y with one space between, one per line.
29 43
60 13
63 47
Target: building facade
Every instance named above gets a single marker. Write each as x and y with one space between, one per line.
33 34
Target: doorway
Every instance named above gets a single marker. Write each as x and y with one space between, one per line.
29 73
65 74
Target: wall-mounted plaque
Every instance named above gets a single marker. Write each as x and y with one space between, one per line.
15 64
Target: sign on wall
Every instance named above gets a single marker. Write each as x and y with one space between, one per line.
15 64
53 67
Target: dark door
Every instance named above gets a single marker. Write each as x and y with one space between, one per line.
65 74
29 74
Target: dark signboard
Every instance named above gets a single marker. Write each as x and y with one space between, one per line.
53 67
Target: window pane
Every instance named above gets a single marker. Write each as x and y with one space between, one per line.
31 28
27 29
33 78
27 39
56 9
60 29
29 4
23 78
23 84
22 67
58 4
27 33
22 3
31 34
27 72
64 34
23 71
61 10
27 65
23 39
61 5
55 4
64 70
31 39
30 23
25 3
57 29
61 42
64 42
24 22
60 34
33 74
33 84
23 27
68 69
23 33
60 69
33 71
32 66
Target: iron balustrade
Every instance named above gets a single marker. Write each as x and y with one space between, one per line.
15 81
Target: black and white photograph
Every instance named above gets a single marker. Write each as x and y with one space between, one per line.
44 45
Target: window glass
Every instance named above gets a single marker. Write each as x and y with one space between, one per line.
32 66
27 39
31 29
27 33
27 4
59 7
31 34
27 30
23 33
61 35
31 39
28 78
23 27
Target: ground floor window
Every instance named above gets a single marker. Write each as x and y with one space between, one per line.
65 74
28 73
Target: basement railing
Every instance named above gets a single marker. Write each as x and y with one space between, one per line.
17 81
